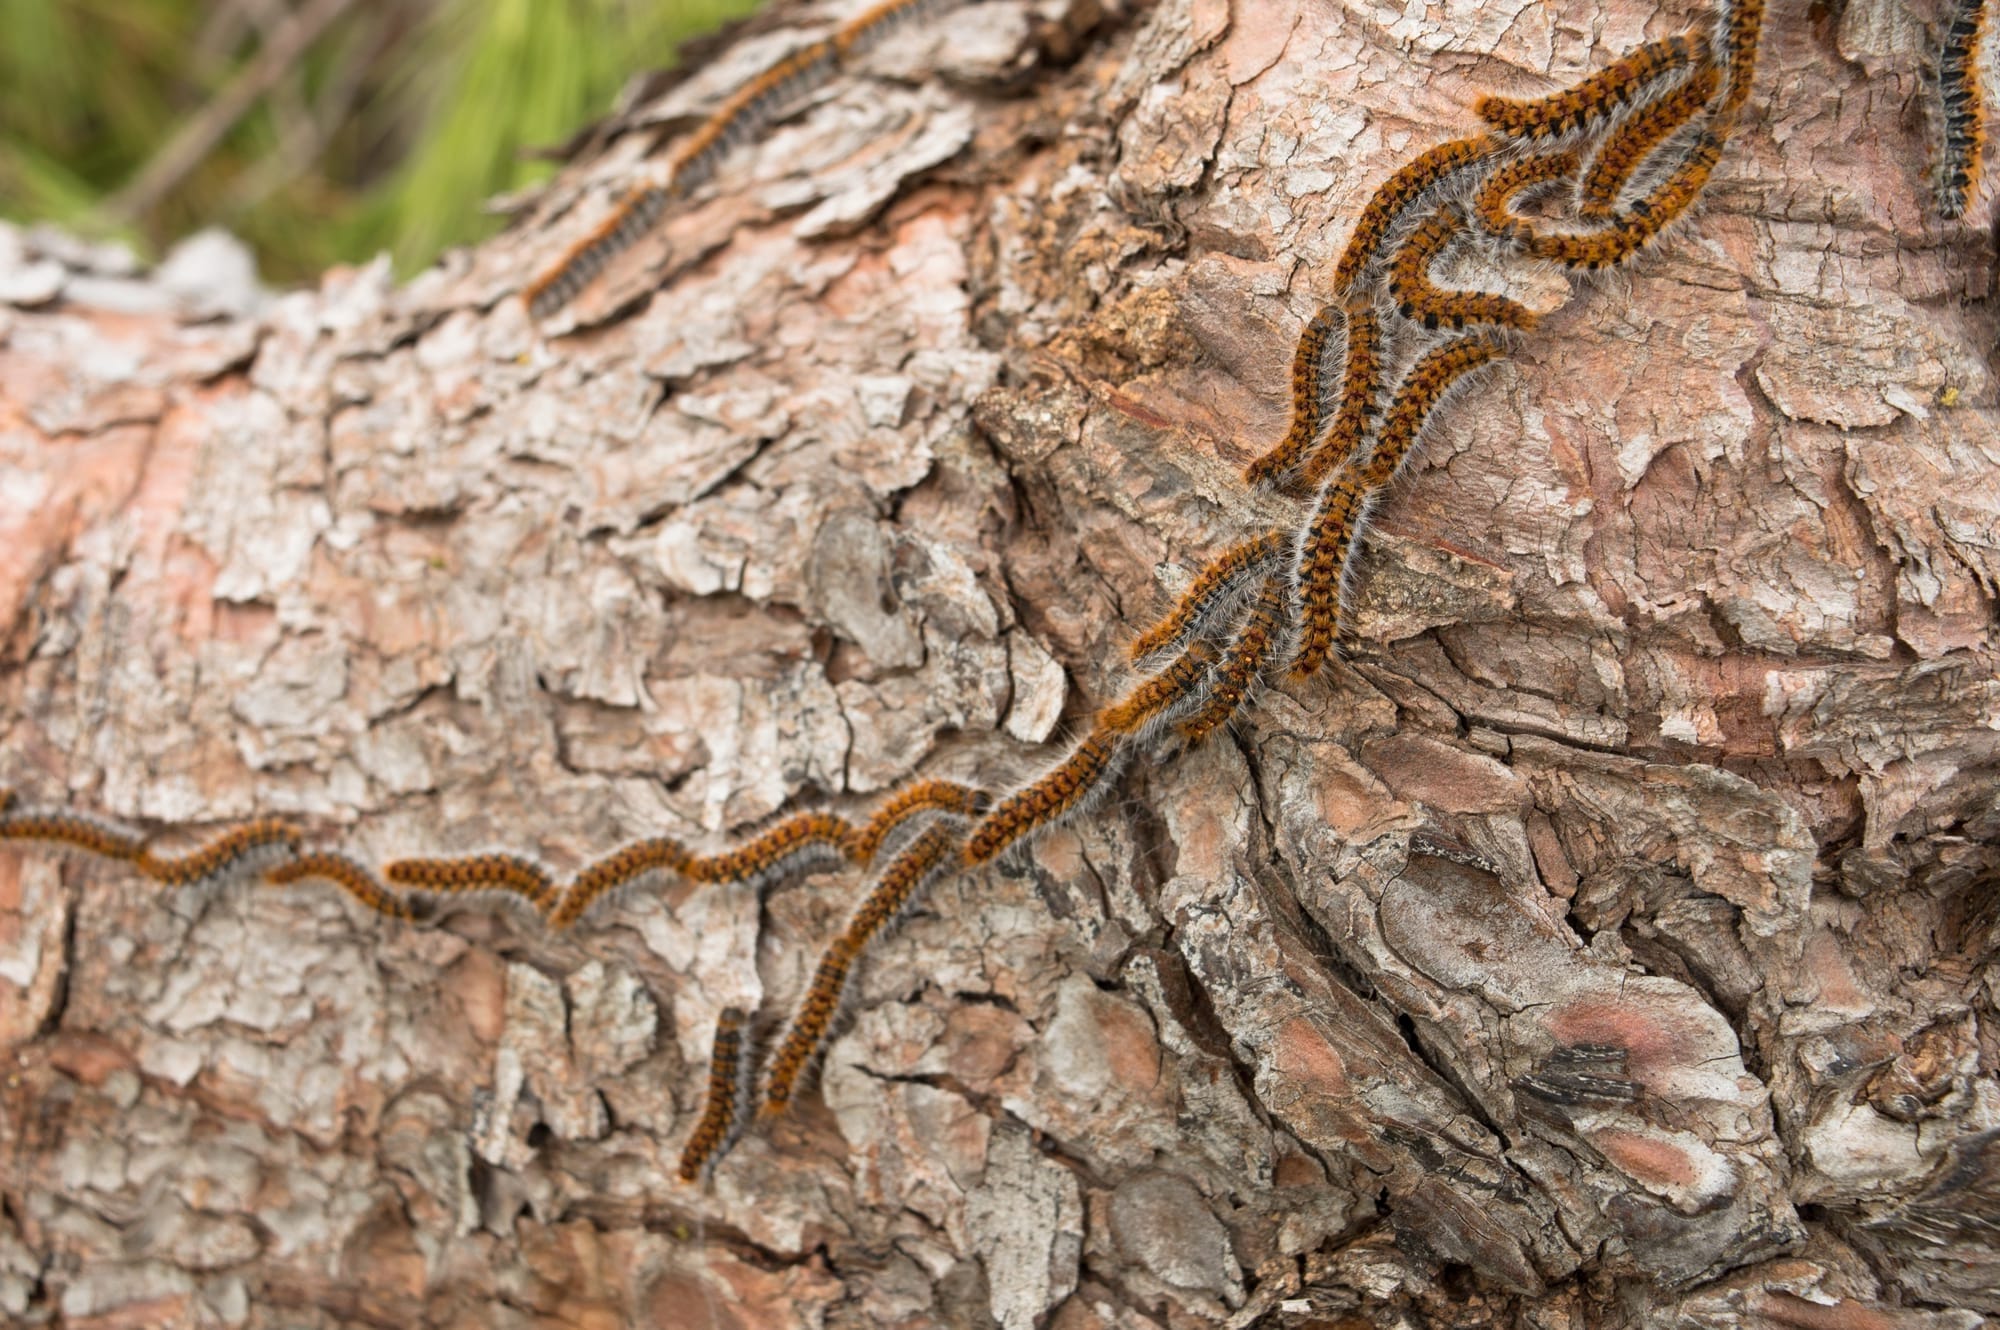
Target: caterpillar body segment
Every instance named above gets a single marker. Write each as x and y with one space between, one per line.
1642 221
1307 395
622 869
875 23
1493 204
1257 642
802 844
740 117
1635 139
1057 795
1421 300
82 832
1156 700
633 216
1360 387
933 853
914 801
1415 181
1961 108
246 848
350 875
1325 547
1739 30
1215 592
726 1106
513 876
1594 100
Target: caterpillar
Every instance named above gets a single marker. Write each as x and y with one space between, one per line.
1047 801
346 873
1634 139
1215 591
1307 393
1422 301
1595 99
622 868
1323 551
1962 110
1360 386
74 831
912 801
1640 224
744 112
1402 189
726 1106
930 854
1255 643
510 874
235 850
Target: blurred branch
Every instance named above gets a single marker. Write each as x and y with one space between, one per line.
198 136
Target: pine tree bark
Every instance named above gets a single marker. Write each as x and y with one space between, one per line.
1611 939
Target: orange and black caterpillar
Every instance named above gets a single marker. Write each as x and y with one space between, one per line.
931 854
1360 386
727 1105
1260 637
1216 591
1423 301
744 112
459 875
1308 392
1400 191
1961 109
1597 98
239 849
1635 138
1324 549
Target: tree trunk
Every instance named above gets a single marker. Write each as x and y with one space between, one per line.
1610 939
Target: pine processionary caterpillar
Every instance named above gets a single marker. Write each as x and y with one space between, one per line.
614 872
744 112
801 844
74 831
811 1022
920 864
634 215
1217 589
1306 394
347 874
1415 180
513 874
876 22
1494 203
913 800
1423 301
1323 552
240 848
1045 803
731 1076
1742 26
1158 697
1595 98
1359 388
1642 221
1635 138
1243 664
1962 110
926 857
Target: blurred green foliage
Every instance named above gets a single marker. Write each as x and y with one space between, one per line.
389 129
